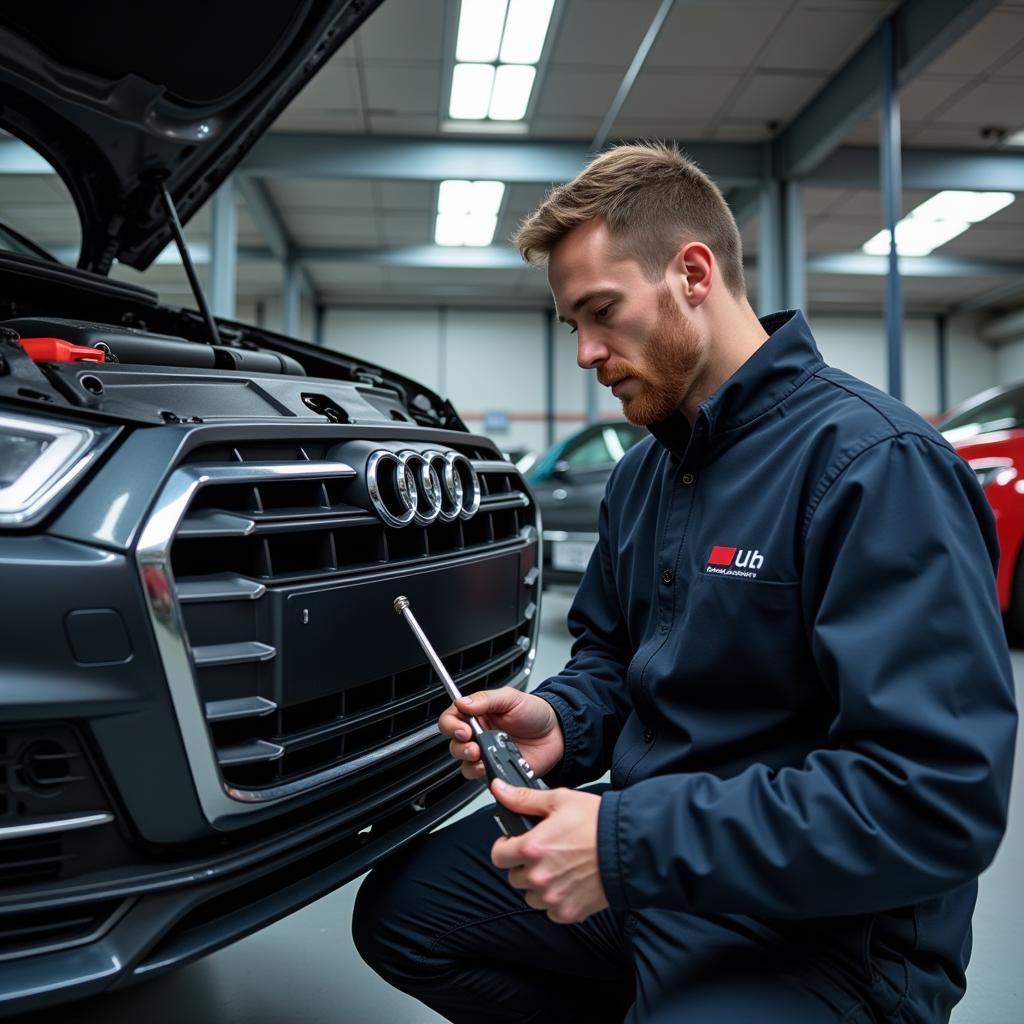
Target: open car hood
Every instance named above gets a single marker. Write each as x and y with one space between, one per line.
120 97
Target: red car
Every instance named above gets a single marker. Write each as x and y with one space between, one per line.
988 431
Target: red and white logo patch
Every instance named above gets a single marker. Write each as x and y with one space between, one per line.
729 561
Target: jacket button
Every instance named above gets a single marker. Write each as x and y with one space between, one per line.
688 478
666 576
648 735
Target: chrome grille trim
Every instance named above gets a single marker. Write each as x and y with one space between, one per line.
46 826
232 654
222 803
238 707
225 587
338 772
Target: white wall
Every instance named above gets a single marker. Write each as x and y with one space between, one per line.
1010 360
485 361
857 344
493 361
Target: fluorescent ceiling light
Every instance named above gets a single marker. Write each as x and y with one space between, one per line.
512 86
938 220
479 230
525 30
448 230
968 206
455 196
471 91
467 212
480 25
915 237
486 197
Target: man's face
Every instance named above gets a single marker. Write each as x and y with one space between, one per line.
629 329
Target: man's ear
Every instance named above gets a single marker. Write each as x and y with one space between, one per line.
695 265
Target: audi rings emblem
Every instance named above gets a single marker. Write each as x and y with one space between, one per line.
422 487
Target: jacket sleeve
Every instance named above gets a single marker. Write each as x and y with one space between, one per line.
590 695
908 797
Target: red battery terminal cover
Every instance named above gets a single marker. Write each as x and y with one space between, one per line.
57 350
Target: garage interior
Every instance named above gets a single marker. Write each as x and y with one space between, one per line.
333 230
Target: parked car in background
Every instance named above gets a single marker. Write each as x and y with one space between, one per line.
988 431
568 483
523 459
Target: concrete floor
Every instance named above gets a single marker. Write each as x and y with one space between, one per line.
305 968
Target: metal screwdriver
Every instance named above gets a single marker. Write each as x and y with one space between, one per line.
500 755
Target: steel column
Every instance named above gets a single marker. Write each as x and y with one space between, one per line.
795 247
290 298
942 360
591 396
770 264
549 376
223 251
890 175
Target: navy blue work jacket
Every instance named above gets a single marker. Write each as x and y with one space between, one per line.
788 650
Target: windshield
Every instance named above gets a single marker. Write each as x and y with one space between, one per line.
11 241
1002 412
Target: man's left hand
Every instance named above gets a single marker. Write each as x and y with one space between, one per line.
556 861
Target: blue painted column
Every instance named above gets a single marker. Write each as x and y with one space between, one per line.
770 262
290 297
223 251
891 179
795 247
549 375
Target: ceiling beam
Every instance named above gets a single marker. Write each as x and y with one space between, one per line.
927 169
504 257
860 264
630 77
268 219
745 204
924 29
733 165
399 158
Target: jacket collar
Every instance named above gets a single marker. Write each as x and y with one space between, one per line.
774 371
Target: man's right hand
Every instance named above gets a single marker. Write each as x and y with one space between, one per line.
529 720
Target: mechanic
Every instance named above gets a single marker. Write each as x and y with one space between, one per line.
788 652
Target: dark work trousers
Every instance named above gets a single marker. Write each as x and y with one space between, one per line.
441 923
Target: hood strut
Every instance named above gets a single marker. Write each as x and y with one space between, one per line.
186 259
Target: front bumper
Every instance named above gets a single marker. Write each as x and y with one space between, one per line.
166 920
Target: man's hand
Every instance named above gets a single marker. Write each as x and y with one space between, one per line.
529 720
556 861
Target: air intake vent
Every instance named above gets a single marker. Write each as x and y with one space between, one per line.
55 820
28 933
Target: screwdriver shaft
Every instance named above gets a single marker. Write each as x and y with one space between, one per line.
403 609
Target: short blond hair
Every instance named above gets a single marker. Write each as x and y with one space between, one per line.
653 199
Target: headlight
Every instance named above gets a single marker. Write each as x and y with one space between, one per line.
39 459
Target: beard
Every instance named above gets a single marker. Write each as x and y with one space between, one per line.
670 358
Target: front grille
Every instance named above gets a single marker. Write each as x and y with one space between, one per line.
301 529
291 742
271 521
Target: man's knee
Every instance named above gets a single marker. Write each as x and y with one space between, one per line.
375 918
